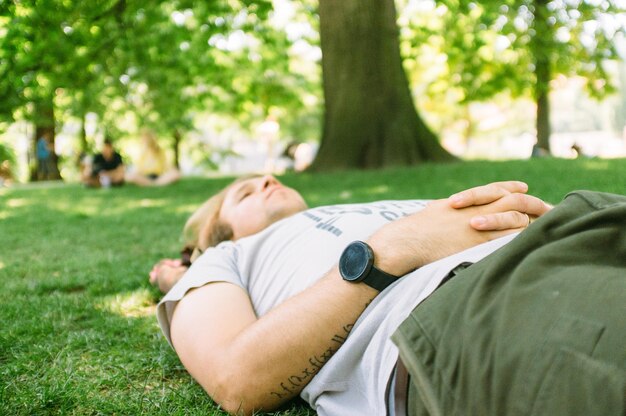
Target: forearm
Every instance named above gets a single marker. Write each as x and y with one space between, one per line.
273 359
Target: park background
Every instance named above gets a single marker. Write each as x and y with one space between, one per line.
419 101
487 79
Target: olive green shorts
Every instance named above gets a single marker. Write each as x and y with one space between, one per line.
536 328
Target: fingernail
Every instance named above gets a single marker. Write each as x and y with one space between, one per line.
456 198
479 221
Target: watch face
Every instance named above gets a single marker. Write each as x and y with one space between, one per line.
355 261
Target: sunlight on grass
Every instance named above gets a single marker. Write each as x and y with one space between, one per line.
17 203
94 206
376 190
186 209
2 265
344 195
134 304
4 215
144 203
151 203
134 205
596 164
89 206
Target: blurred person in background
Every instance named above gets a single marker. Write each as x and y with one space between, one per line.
106 169
151 168
44 157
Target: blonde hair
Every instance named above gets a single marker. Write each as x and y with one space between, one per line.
150 139
204 228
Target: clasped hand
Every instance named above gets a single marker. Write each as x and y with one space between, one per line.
166 273
448 226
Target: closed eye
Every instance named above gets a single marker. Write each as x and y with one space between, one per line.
244 191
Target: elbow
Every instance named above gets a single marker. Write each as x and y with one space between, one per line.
229 385
236 395
237 409
235 403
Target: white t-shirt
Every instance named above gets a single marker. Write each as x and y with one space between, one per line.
287 257
293 254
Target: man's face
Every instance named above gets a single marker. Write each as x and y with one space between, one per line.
107 151
252 205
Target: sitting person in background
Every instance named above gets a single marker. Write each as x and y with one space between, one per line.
300 155
106 169
151 168
45 167
6 174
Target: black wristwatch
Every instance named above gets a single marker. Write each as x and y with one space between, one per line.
357 265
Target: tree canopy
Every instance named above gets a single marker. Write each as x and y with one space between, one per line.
157 63
517 46
163 63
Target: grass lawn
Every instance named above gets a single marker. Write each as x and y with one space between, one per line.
78 332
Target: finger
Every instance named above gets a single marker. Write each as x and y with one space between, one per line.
527 204
167 261
485 194
495 234
500 221
172 262
156 269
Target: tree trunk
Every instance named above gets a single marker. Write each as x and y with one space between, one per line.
543 106
543 35
176 148
370 120
82 138
44 124
468 132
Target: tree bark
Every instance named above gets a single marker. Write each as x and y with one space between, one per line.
370 120
82 138
543 105
541 52
176 148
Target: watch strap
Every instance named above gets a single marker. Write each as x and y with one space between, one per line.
378 279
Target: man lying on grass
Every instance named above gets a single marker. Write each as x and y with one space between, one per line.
265 312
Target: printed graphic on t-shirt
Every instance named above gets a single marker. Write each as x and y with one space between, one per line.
326 217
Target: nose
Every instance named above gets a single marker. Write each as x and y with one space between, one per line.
267 181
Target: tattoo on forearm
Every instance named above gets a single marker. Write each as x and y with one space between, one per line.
293 384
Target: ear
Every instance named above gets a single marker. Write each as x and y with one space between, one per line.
218 232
